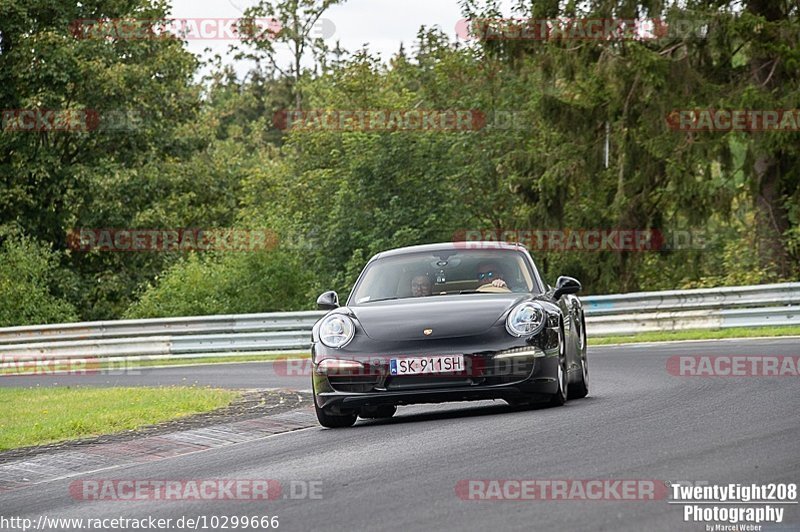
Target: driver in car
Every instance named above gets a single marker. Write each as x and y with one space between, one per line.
490 273
421 285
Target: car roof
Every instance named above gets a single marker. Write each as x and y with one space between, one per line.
446 246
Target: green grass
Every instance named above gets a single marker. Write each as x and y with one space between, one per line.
222 359
698 334
34 416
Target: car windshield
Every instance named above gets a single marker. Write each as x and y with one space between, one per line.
444 273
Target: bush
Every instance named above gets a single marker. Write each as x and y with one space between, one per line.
232 283
29 272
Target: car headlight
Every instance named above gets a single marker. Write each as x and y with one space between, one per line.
525 319
336 331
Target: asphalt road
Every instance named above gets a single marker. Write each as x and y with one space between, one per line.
639 422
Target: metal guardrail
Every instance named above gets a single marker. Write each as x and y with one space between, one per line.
705 308
223 324
244 334
767 295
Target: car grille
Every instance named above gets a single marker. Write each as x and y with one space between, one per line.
353 383
428 381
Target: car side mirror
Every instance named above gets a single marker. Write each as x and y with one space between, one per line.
328 300
566 285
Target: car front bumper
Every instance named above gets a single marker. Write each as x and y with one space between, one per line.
498 367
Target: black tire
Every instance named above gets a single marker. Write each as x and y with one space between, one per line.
560 397
330 420
380 412
519 403
334 421
580 389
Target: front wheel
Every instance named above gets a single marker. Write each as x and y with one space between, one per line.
334 421
330 420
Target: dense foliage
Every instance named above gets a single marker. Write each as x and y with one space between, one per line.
576 137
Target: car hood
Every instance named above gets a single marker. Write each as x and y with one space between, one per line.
447 316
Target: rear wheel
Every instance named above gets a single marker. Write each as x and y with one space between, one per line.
560 397
580 389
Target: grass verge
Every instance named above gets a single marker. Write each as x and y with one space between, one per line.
88 365
35 416
219 360
699 334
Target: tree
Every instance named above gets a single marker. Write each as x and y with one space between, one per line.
138 91
621 91
291 23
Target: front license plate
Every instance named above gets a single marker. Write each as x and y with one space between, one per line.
425 365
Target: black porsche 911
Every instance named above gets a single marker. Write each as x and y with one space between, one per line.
448 322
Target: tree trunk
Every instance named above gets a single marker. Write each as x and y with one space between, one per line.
772 219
